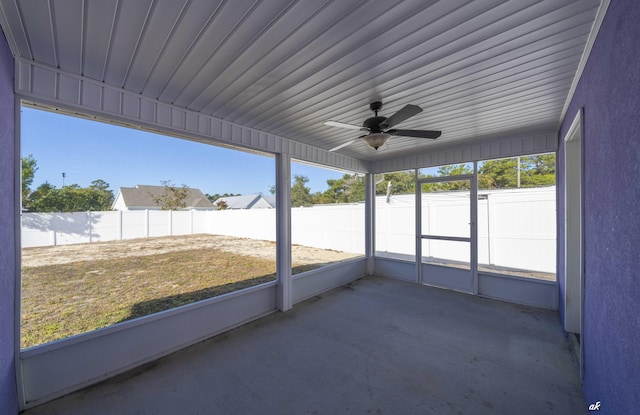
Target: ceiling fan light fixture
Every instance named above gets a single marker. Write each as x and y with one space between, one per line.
381 128
375 140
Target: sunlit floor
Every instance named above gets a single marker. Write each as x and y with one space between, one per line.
376 346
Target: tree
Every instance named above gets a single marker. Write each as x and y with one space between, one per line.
499 174
538 171
71 198
172 197
454 170
43 199
300 194
535 171
222 205
101 196
348 189
402 183
212 198
29 168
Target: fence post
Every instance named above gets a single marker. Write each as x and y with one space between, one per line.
490 233
146 223
170 222
90 227
120 232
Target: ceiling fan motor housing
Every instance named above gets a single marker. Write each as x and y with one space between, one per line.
374 123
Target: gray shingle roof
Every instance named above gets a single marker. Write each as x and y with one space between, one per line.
142 196
248 201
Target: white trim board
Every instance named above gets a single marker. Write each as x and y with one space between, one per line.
597 23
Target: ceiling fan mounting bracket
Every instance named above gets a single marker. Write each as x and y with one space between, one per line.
375 106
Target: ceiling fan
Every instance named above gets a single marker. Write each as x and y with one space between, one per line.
379 127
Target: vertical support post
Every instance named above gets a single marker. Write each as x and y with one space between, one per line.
11 236
418 212
370 222
283 231
490 233
474 228
170 222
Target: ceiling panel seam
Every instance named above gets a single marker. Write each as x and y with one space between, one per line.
263 102
83 41
397 58
425 90
220 44
189 50
143 31
349 93
116 13
242 50
165 43
325 47
24 30
4 22
254 38
54 41
290 54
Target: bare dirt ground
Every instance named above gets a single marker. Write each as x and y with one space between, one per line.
64 254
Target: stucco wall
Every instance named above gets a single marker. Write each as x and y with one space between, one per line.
8 390
609 91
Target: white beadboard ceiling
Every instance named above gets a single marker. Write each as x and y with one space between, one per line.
479 69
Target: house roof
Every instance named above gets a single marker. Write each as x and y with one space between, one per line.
247 201
142 196
481 70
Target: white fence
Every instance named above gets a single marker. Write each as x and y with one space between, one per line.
339 227
516 228
44 229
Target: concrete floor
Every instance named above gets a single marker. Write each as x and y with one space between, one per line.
376 346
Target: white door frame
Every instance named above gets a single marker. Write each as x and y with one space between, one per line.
473 232
573 227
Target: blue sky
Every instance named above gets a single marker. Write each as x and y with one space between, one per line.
87 150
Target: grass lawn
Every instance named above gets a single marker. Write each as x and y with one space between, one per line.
63 300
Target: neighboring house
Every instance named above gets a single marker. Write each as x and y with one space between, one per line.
255 201
142 197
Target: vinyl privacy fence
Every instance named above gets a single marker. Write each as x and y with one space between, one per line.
515 228
338 227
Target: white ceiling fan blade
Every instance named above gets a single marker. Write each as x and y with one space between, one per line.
343 145
342 125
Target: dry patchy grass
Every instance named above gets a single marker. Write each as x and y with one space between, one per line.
63 300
